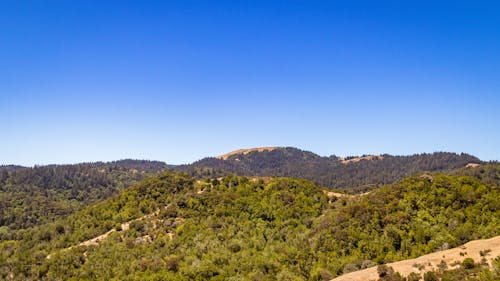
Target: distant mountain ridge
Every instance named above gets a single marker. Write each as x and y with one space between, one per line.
146 165
351 173
354 173
10 168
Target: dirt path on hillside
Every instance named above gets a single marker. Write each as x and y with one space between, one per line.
430 261
96 240
124 227
331 194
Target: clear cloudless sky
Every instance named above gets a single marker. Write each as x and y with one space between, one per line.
179 80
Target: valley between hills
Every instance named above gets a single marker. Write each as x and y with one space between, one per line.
254 214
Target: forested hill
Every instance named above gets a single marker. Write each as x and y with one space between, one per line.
352 173
30 196
9 168
174 227
141 165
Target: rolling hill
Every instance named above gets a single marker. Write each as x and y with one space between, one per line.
174 227
40 194
354 174
31 196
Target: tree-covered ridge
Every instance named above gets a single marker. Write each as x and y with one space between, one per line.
419 215
9 168
487 172
332 172
251 229
31 196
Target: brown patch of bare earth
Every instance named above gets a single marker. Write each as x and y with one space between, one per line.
124 227
332 194
357 159
431 261
245 151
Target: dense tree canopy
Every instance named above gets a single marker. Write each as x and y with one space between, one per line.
358 175
30 196
173 227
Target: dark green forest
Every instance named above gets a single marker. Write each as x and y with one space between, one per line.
331 172
172 226
31 196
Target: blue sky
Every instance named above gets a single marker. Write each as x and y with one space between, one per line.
179 80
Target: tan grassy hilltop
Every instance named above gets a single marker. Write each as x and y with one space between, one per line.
357 159
246 151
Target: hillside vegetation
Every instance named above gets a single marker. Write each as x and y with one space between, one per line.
236 228
452 264
32 196
353 174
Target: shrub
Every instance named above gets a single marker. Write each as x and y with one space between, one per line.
384 270
430 276
235 248
468 263
172 262
414 277
484 253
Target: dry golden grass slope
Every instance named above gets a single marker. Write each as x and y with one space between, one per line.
430 261
357 159
245 151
